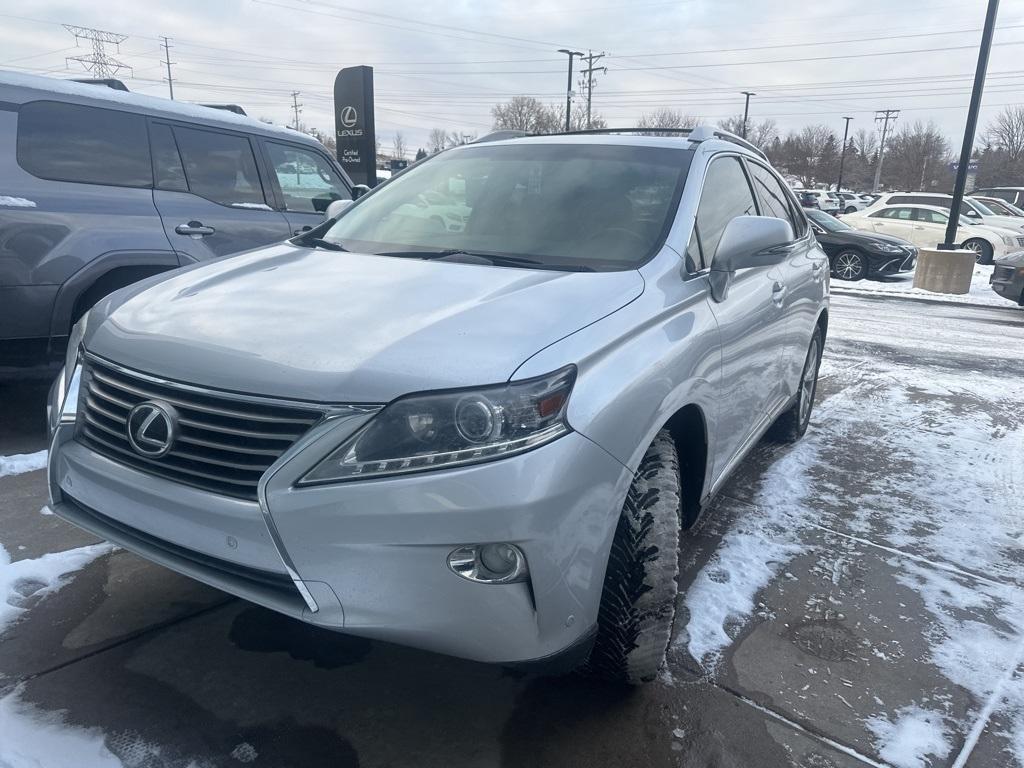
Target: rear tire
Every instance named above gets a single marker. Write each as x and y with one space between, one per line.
634 623
982 250
850 209
792 424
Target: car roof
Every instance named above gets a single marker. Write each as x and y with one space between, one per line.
20 88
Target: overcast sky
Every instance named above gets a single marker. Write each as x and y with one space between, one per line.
444 63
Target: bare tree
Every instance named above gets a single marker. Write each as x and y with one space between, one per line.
664 118
437 140
866 144
1006 132
760 134
398 145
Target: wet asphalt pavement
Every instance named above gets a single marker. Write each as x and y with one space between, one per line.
873 572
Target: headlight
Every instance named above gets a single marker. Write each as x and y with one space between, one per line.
886 248
74 347
1008 240
449 429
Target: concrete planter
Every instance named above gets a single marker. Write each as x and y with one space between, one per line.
944 271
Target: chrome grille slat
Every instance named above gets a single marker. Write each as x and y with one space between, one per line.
225 443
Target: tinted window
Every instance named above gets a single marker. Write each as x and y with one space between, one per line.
308 182
904 214
773 198
897 199
220 167
602 207
68 142
168 170
725 196
930 217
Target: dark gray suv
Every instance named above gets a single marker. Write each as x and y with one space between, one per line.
100 188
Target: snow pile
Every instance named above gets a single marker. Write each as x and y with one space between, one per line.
22 462
907 743
26 580
981 292
30 738
16 202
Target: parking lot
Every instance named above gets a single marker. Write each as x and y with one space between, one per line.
855 599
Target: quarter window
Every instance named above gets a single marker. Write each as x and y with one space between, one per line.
220 167
308 182
69 142
725 196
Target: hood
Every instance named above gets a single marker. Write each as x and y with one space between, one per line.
1013 223
1012 260
995 231
325 326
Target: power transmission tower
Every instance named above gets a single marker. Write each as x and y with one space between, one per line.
168 62
99 63
883 116
296 107
587 76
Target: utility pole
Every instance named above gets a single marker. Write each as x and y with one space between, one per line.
883 116
296 107
842 157
588 75
746 110
972 125
98 63
568 87
167 60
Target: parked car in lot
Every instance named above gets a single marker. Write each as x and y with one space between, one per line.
827 201
1008 277
1000 207
1014 195
972 209
925 227
850 203
482 442
100 188
854 254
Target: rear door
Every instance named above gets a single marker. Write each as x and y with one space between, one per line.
751 320
306 182
208 190
897 222
929 227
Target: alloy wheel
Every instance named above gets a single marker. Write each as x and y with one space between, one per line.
849 265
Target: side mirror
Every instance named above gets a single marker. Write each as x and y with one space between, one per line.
748 241
336 207
359 190
972 213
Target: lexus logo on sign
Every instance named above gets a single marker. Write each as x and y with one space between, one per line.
349 116
152 427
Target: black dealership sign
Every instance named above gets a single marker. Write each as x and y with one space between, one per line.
353 124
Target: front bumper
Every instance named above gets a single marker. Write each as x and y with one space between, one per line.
1008 282
370 557
892 264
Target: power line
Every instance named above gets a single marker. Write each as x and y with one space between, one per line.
99 62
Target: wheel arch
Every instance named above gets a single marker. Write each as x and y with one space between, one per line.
689 430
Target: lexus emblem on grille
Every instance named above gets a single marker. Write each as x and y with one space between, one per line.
152 427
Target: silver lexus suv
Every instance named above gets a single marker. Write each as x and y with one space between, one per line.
474 411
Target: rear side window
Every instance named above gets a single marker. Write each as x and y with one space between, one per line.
168 171
904 214
725 196
220 167
932 217
69 142
773 198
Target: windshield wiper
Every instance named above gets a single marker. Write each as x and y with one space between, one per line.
502 260
327 245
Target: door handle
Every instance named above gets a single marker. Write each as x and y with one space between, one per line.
778 293
194 229
817 269
918 226
300 230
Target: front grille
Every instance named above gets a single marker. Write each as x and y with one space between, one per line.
225 442
1020 241
1002 272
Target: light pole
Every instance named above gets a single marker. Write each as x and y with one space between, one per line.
568 87
842 158
972 124
746 109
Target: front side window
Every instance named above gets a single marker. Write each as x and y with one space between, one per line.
572 206
308 182
725 196
773 198
220 167
69 142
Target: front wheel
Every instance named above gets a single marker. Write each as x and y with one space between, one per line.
792 424
850 265
982 250
634 622
850 209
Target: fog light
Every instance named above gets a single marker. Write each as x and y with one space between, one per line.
489 563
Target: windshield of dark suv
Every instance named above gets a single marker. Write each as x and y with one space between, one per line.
827 222
557 206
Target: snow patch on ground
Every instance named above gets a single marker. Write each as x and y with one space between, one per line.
907 742
981 292
30 580
16 202
22 462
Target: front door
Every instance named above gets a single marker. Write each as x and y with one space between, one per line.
209 193
929 228
308 182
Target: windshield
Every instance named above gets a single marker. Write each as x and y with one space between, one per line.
982 208
827 222
563 206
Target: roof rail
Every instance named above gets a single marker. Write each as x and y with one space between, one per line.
705 132
108 82
500 136
696 134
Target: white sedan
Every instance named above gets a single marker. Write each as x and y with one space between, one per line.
925 227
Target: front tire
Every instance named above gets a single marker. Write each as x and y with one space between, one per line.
850 265
792 424
850 209
634 622
982 250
